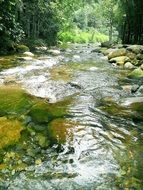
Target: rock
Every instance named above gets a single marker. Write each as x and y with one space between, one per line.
10 132
139 56
119 60
54 52
75 85
129 65
140 90
131 55
28 53
93 69
131 100
22 48
97 50
106 51
43 48
137 62
25 58
38 162
136 73
117 53
141 66
135 48
134 88
106 44
127 88
76 57
10 80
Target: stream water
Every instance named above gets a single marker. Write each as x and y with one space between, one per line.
65 124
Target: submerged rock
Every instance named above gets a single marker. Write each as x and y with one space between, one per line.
13 100
9 131
60 130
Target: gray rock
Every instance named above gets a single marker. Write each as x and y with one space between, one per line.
134 88
129 65
140 90
135 48
119 60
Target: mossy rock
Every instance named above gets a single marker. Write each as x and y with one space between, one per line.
43 112
9 132
117 53
22 48
135 48
136 73
13 101
119 60
40 113
61 130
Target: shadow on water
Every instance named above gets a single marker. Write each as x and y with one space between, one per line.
88 139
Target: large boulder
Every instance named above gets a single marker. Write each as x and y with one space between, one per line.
131 55
119 60
140 56
129 65
117 53
137 73
135 48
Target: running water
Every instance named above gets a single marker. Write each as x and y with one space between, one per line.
78 132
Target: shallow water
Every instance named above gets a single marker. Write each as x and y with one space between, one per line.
76 134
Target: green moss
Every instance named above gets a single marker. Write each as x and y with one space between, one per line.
13 100
9 131
22 48
43 112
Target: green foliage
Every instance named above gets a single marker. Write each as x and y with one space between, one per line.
10 30
79 36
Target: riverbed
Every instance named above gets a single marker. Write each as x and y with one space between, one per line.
66 122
